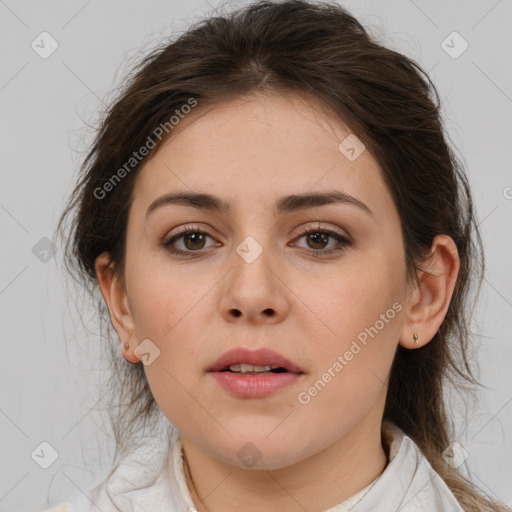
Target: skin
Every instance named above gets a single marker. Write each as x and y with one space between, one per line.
250 152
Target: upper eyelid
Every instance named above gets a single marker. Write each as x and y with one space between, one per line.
304 229
308 228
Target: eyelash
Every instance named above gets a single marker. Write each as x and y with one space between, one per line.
343 241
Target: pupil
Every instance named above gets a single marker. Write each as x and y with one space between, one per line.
322 236
192 236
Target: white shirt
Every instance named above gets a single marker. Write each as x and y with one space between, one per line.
149 480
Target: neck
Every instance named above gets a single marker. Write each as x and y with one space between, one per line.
315 484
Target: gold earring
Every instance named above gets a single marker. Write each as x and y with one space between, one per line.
415 338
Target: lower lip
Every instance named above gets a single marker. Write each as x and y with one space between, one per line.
255 386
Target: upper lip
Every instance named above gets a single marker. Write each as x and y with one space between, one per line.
258 357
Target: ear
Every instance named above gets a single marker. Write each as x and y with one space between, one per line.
428 302
115 296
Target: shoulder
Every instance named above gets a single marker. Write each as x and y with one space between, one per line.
408 483
145 475
428 491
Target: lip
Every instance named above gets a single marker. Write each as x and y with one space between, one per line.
254 386
258 357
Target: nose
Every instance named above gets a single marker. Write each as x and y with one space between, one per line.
254 290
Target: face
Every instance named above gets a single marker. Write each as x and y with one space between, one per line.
252 276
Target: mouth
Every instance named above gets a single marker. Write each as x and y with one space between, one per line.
251 369
254 374
243 361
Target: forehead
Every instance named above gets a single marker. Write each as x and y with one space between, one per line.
259 148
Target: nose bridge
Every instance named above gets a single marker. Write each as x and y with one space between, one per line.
253 288
254 238
252 266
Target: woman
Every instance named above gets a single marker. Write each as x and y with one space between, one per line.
285 244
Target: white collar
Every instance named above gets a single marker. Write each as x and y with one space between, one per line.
394 439
152 479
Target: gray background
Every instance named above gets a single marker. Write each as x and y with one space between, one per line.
47 387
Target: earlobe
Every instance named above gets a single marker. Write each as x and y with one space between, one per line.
128 353
428 303
115 297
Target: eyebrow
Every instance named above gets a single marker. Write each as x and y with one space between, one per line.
286 204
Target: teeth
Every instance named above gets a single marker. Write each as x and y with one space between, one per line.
245 368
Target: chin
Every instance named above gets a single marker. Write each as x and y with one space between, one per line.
258 451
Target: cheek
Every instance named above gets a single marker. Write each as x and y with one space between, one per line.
168 323
348 304
351 369
355 331
165 309
162 298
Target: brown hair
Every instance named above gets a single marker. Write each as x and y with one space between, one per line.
388 102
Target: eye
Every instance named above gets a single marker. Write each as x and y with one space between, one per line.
193 241
317 239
